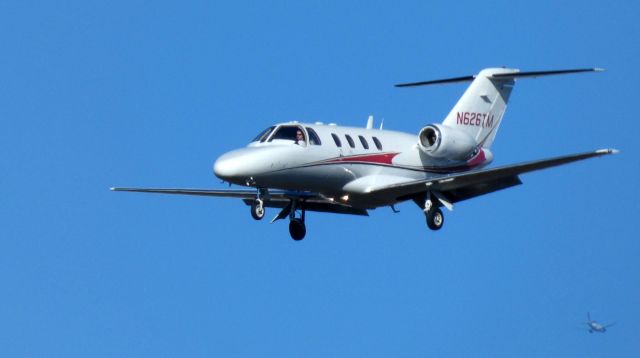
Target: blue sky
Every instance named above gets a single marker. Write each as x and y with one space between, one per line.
114 93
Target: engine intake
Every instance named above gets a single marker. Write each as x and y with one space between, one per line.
440 141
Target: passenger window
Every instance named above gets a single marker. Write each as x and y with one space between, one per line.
364 142
313 137
352 144
377 142
337 140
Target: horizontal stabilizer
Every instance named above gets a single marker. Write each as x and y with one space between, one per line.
512 74
534 74
436 82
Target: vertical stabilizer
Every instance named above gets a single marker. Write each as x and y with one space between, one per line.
480 110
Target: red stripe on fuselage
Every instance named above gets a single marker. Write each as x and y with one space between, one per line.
385 158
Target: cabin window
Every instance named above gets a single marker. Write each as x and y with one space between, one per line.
352 144
364 142
377 142
313 137
337 140
263 135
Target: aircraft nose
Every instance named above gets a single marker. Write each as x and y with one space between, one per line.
235 166
225 167
241 165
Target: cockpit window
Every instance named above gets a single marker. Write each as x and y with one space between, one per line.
313 137
263 135
292 133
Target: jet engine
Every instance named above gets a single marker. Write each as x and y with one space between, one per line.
440 141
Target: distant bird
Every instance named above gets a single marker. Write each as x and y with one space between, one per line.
595 326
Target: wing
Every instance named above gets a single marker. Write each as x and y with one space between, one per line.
276 198
458 187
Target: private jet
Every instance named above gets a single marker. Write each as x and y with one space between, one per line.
300 167
595 326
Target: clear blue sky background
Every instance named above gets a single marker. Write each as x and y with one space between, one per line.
96 94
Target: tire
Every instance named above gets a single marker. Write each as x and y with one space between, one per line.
435 219
257 210
297 229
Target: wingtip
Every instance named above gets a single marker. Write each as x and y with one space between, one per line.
608 151
599 69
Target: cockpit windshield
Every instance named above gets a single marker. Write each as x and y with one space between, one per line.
292 133
263 135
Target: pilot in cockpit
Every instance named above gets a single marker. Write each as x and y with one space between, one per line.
300 138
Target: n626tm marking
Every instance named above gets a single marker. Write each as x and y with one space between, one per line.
484 120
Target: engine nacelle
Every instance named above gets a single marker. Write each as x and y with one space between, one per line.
440 141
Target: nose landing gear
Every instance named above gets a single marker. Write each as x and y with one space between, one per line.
257 209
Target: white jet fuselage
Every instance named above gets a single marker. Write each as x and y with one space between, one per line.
346 162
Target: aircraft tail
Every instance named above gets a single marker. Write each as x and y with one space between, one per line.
480 110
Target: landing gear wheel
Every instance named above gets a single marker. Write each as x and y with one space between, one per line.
257 210
297 229
435 219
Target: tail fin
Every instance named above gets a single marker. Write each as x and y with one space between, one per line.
480 110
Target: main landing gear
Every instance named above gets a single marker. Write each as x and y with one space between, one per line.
435 219
297 228
432 212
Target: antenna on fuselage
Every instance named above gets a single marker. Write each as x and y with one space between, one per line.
381 123
370 122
